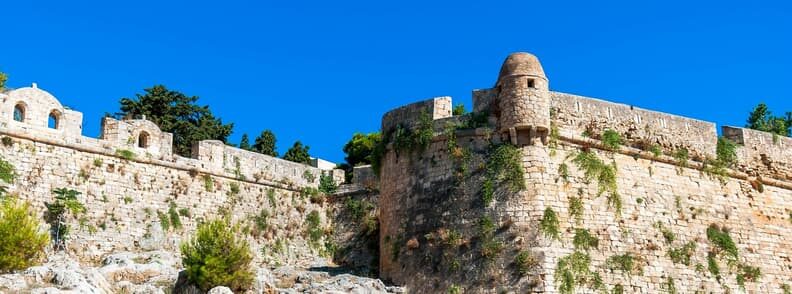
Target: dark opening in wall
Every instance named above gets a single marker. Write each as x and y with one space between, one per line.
143 140
19 113
531 83
54 120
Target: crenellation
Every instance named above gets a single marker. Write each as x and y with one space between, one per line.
408 115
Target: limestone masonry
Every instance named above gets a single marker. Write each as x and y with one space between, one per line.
525 194
444 227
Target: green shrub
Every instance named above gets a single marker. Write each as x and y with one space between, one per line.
712 266
627 263
164 221
7 174
65 204
327 185
611 139
682 156
208 183
576 208
233 189
618 289
454 289
262 220
747 273
670 286
505 166
271 198
314 230
720 238
185 212
605 174
549 225
97 162
656 150
21 245
490 248
7 141
128 200
583 240
683 254
487 192
173 214
786 288
525 261
574 270
459 109
668 235
125 154
486 228
563 171
217 256
726 151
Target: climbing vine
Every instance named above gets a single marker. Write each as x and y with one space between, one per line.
605 174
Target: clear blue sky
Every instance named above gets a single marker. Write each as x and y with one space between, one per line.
320 71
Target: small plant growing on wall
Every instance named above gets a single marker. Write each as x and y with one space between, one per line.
208 183
549 225
605 174
611 139
525 262
584 240
65 205
126 154
326 184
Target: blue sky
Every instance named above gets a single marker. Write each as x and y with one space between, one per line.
320 71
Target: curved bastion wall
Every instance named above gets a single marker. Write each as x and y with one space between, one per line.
131 181
449 218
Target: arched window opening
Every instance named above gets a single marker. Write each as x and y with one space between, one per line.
143 140
54 120
19 113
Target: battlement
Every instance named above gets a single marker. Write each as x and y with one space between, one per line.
34 114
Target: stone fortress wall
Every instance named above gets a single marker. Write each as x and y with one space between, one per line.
130 176
423 198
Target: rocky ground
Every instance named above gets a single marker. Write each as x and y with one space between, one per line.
158 272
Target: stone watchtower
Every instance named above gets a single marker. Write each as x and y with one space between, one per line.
523 100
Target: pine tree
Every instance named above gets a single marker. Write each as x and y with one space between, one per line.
244 143
298 153
265 143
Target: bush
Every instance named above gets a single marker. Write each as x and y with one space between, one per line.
217 256
611 139
58 211
583 240
549 225
22 243
327 185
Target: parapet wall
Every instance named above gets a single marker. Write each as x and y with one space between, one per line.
575 114
145 142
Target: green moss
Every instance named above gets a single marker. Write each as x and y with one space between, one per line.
97 162
164 221
505 167
271 197
747 273
583 240
173 214
618 289
563 172
454 289
549 225
682 254
128 200
487 192
786 288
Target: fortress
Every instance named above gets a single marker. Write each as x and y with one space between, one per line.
648 215
533 191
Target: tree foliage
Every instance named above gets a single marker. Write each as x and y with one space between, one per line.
265 144
360 148
176 113
762 119
244 143
217 256
298 153
65 204
3 79
22 244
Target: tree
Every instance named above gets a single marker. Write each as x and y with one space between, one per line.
459 109
762 119
265 143
298 153
3 79
22 243
176 113
244 143
217 256
58 211
360 148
